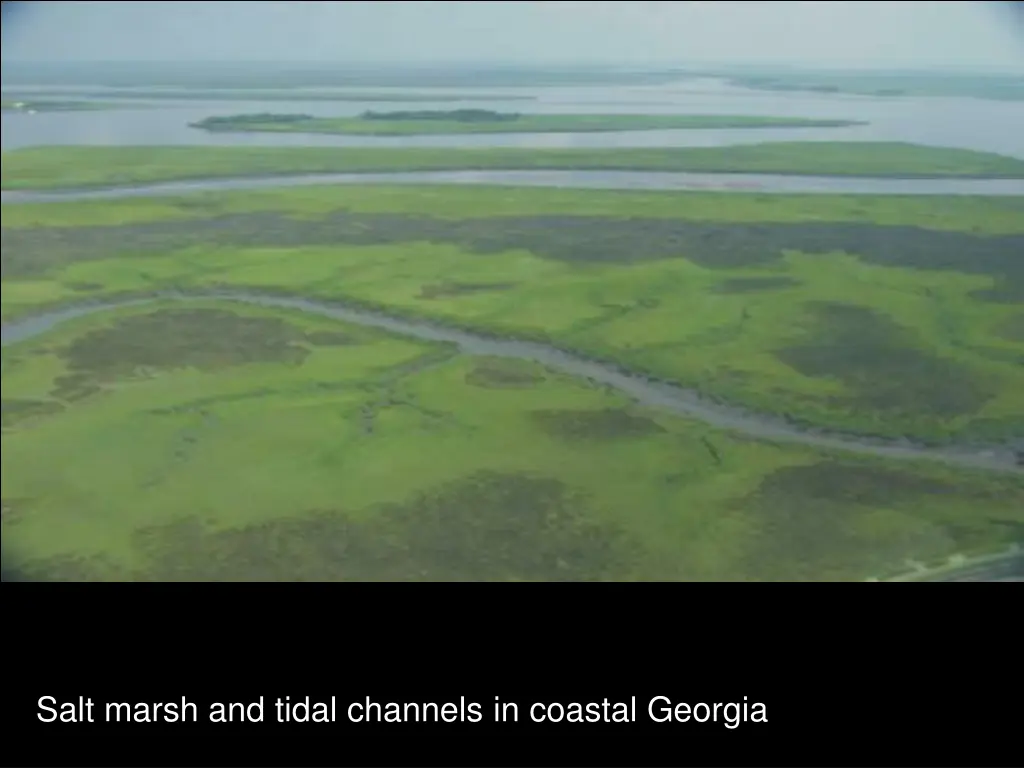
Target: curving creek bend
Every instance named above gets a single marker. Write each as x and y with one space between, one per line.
645 391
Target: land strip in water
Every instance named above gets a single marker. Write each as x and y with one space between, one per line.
1000 87
42 168
29 106
256 94
472 121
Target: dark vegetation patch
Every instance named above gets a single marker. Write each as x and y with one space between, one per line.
503 374
449 115
271 119
240 121
450 289
1008 291
604 424
184 338
66 568
881 364
331 339
580 239
1006 428
809 520
754 284
15 412
853 484
201 405
1012 329
74 386
206 339
1014 527
485 527
13 510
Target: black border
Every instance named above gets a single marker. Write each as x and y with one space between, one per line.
865 678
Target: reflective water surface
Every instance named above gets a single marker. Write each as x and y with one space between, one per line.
967 123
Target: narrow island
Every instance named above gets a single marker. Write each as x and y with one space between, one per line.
274 94
44 105
462 121
994 86
990 87
81 167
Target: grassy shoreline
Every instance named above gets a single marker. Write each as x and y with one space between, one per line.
295 95
878 84
1009 89
450 123
43 168
28 106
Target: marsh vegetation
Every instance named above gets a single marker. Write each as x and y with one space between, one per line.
264 443
31 106
272 445
412 123
76 167
1001 87
750 303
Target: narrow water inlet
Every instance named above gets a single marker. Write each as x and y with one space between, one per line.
582 179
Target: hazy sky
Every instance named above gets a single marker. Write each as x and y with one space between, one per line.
824 33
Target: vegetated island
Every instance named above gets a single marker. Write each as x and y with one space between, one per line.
992 88
425 122
998 87
293 94
76 167
45 105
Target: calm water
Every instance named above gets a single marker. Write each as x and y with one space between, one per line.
637 180
966 123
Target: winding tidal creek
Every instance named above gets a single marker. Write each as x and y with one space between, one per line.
643 390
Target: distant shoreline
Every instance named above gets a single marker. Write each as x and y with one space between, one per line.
30 106
240 94
454 122
84 167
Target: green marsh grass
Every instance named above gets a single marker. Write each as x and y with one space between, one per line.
213 441
877 316
434 123
71 167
